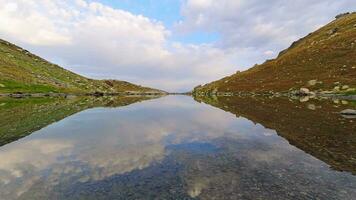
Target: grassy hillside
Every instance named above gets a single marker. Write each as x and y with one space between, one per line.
323 60
315 127
22 71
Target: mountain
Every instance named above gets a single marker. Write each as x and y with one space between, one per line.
24 72
323 61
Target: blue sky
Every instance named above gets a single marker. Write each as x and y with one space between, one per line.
167 12
173 45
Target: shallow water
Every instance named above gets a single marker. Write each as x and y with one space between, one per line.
177 148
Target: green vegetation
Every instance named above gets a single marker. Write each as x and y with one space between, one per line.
11 86
320 61
24 72
20 117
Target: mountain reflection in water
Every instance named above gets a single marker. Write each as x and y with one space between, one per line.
176 148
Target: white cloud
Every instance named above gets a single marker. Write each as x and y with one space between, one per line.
16 21
254 30
97 40
102 42
265 26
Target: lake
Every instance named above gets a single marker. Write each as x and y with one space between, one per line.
176 147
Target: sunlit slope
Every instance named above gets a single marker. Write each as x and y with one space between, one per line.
323 60
22 71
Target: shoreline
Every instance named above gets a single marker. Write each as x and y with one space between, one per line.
96 94
218 94
351 97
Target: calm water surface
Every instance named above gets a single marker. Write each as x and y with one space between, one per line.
177 148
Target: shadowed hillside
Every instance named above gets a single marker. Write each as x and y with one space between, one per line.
316 127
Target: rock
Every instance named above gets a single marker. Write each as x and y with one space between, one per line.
2 85
344 102
312 94
333 31
349 116
304 99
345 87
336 83
342 15
348 112
311 107
312 82
304 91
215 91
337 88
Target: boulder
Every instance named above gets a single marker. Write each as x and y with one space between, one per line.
311 107
215 91
304 99
344 102
337 88
312 82
345 87
304 91
342 15
348 112
333 31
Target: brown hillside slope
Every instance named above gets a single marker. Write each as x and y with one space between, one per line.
327 56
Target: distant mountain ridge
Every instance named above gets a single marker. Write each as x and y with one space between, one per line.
323 61
24 72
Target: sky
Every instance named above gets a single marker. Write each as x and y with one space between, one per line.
172 45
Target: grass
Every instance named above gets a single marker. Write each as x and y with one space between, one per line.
11 86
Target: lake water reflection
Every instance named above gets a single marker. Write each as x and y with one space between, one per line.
177 148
